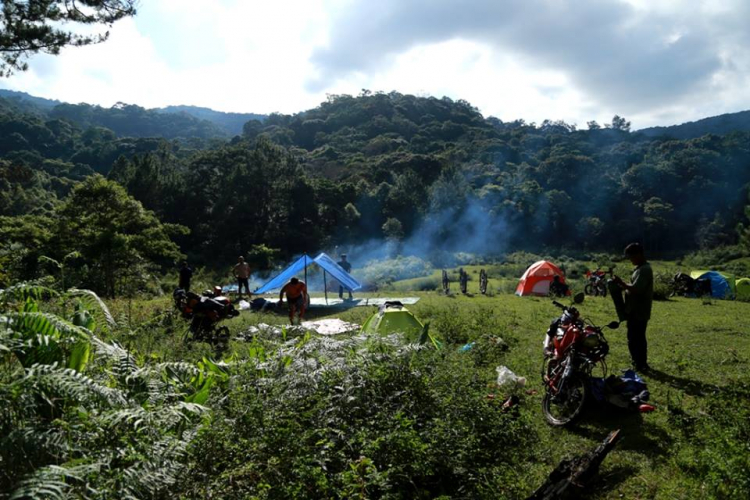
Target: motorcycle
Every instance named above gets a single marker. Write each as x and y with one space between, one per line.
597 282
685 286
573 347
205 312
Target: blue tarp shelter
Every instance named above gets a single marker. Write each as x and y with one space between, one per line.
300 265
721 286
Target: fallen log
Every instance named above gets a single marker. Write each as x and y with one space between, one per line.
572 474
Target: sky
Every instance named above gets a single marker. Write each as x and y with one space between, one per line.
655 62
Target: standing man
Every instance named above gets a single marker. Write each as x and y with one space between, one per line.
639 294
186 273
242 274
296 298
346 266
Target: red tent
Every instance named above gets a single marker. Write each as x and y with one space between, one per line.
537 278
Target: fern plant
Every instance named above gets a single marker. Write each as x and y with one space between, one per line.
79 417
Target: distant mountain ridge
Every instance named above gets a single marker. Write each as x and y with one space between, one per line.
202 122
27 99
719 125
231 122
228 124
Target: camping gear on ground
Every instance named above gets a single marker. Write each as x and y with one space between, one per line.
573 348
722 285
505 377
627 391
483 282
393 317
360 302
467 347
537 279
205 312
569 478
742 288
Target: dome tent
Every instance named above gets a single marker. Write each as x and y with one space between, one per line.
743 288
722 285
537 278
393 317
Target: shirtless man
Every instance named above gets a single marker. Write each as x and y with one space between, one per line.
296 298
242 274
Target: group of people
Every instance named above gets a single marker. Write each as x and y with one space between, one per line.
638 296
297 296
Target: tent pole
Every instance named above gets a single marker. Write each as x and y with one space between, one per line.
325 286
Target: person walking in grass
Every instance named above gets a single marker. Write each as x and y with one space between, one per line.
296 298
346 266
639 294
242 274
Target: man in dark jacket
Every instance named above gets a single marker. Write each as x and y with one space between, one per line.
346 266
186 273
639 294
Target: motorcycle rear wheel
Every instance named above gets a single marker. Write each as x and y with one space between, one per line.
566 408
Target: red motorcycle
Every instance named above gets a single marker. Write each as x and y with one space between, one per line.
597 282
573 348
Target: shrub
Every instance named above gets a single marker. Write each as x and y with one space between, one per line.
663 285
360 419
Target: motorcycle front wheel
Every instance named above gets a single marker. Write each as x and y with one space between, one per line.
588 289
565 407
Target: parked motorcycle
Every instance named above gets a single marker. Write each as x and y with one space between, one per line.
685 286
205 312
597 282
573 348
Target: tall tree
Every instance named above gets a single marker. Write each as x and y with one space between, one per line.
113 232
28 27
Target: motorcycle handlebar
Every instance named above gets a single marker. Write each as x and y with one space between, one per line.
556 303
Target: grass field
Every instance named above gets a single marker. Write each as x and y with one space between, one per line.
695 445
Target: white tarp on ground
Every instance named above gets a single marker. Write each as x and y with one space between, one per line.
368 301
332 326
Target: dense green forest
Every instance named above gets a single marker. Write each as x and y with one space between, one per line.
429 175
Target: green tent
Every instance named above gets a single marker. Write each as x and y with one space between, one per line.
393 317
743 288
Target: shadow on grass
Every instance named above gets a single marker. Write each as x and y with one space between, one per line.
607 481
638 433
689 386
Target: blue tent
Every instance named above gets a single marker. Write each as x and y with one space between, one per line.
324 261
720 287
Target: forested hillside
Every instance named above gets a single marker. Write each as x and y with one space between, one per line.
427 174
719 125
125 120
231 123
